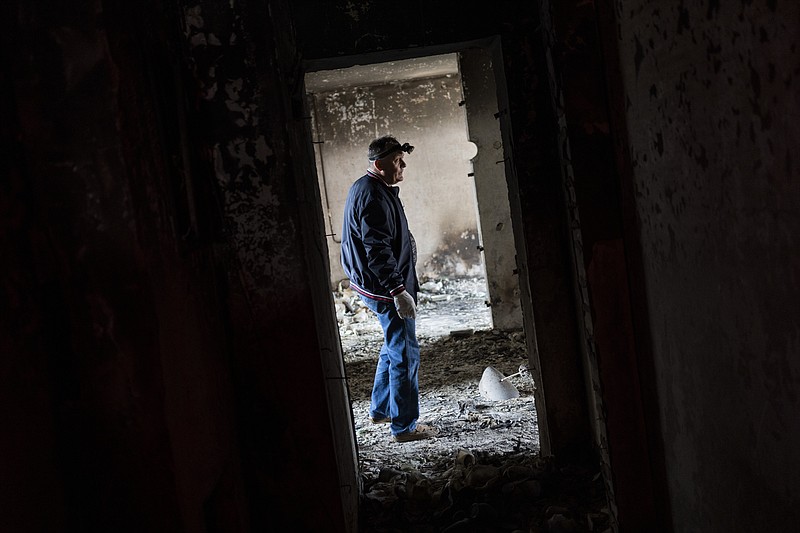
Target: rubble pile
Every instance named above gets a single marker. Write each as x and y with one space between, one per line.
450 399
482 492
483 471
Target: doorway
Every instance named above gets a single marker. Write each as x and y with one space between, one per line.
457 200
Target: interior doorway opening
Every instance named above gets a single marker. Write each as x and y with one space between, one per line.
415 100
457 198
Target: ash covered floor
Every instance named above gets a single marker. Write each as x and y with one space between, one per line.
483 471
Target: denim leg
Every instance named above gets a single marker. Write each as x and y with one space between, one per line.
396 375
379 406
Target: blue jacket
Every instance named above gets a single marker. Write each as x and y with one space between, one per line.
378 250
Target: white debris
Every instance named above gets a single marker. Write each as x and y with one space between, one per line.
493 388
432 286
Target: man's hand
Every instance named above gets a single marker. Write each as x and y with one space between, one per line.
405 305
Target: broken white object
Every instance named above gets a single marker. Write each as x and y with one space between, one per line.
432 286
492 388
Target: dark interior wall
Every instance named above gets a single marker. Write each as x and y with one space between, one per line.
160 369
711 92
116 394
160 365
575 35
245 75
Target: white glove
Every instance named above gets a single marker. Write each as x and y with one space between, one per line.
405 305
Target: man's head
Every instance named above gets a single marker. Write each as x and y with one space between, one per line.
386 158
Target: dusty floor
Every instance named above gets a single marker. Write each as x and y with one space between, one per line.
483 471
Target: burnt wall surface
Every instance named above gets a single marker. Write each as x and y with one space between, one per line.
245 74
438 199
161 370
150 251
711 95
575 35
116 394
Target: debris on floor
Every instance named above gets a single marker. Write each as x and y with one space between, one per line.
483 471
482 492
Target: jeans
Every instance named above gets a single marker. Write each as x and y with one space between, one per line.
395 392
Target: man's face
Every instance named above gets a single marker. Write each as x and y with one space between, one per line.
392 166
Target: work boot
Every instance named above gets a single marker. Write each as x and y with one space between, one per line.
422 431
385 420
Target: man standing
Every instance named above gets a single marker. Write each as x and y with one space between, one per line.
379 257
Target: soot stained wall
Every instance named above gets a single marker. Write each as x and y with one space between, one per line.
150 250
148 255
622 378
117 402
711 92
244 71
438 195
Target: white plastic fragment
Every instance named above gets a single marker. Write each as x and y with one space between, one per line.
492 388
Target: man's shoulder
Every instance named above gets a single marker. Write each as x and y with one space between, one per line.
366 185
365 181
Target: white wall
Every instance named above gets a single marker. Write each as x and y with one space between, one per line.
437 193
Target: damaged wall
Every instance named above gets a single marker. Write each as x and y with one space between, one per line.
496 230
701 226
711 94
117 404
437 193
151 249
618 369
243 66
155 282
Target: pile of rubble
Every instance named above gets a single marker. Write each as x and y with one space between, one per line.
450 399
482 492
483 471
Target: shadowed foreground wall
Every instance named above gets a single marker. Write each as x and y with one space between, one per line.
711 94
153 291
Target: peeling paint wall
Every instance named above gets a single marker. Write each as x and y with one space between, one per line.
243 67
437 192
240 151
156 295
156 306
712 118
117 406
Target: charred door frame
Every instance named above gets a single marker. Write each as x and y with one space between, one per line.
563 370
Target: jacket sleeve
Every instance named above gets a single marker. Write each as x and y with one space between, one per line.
378 229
